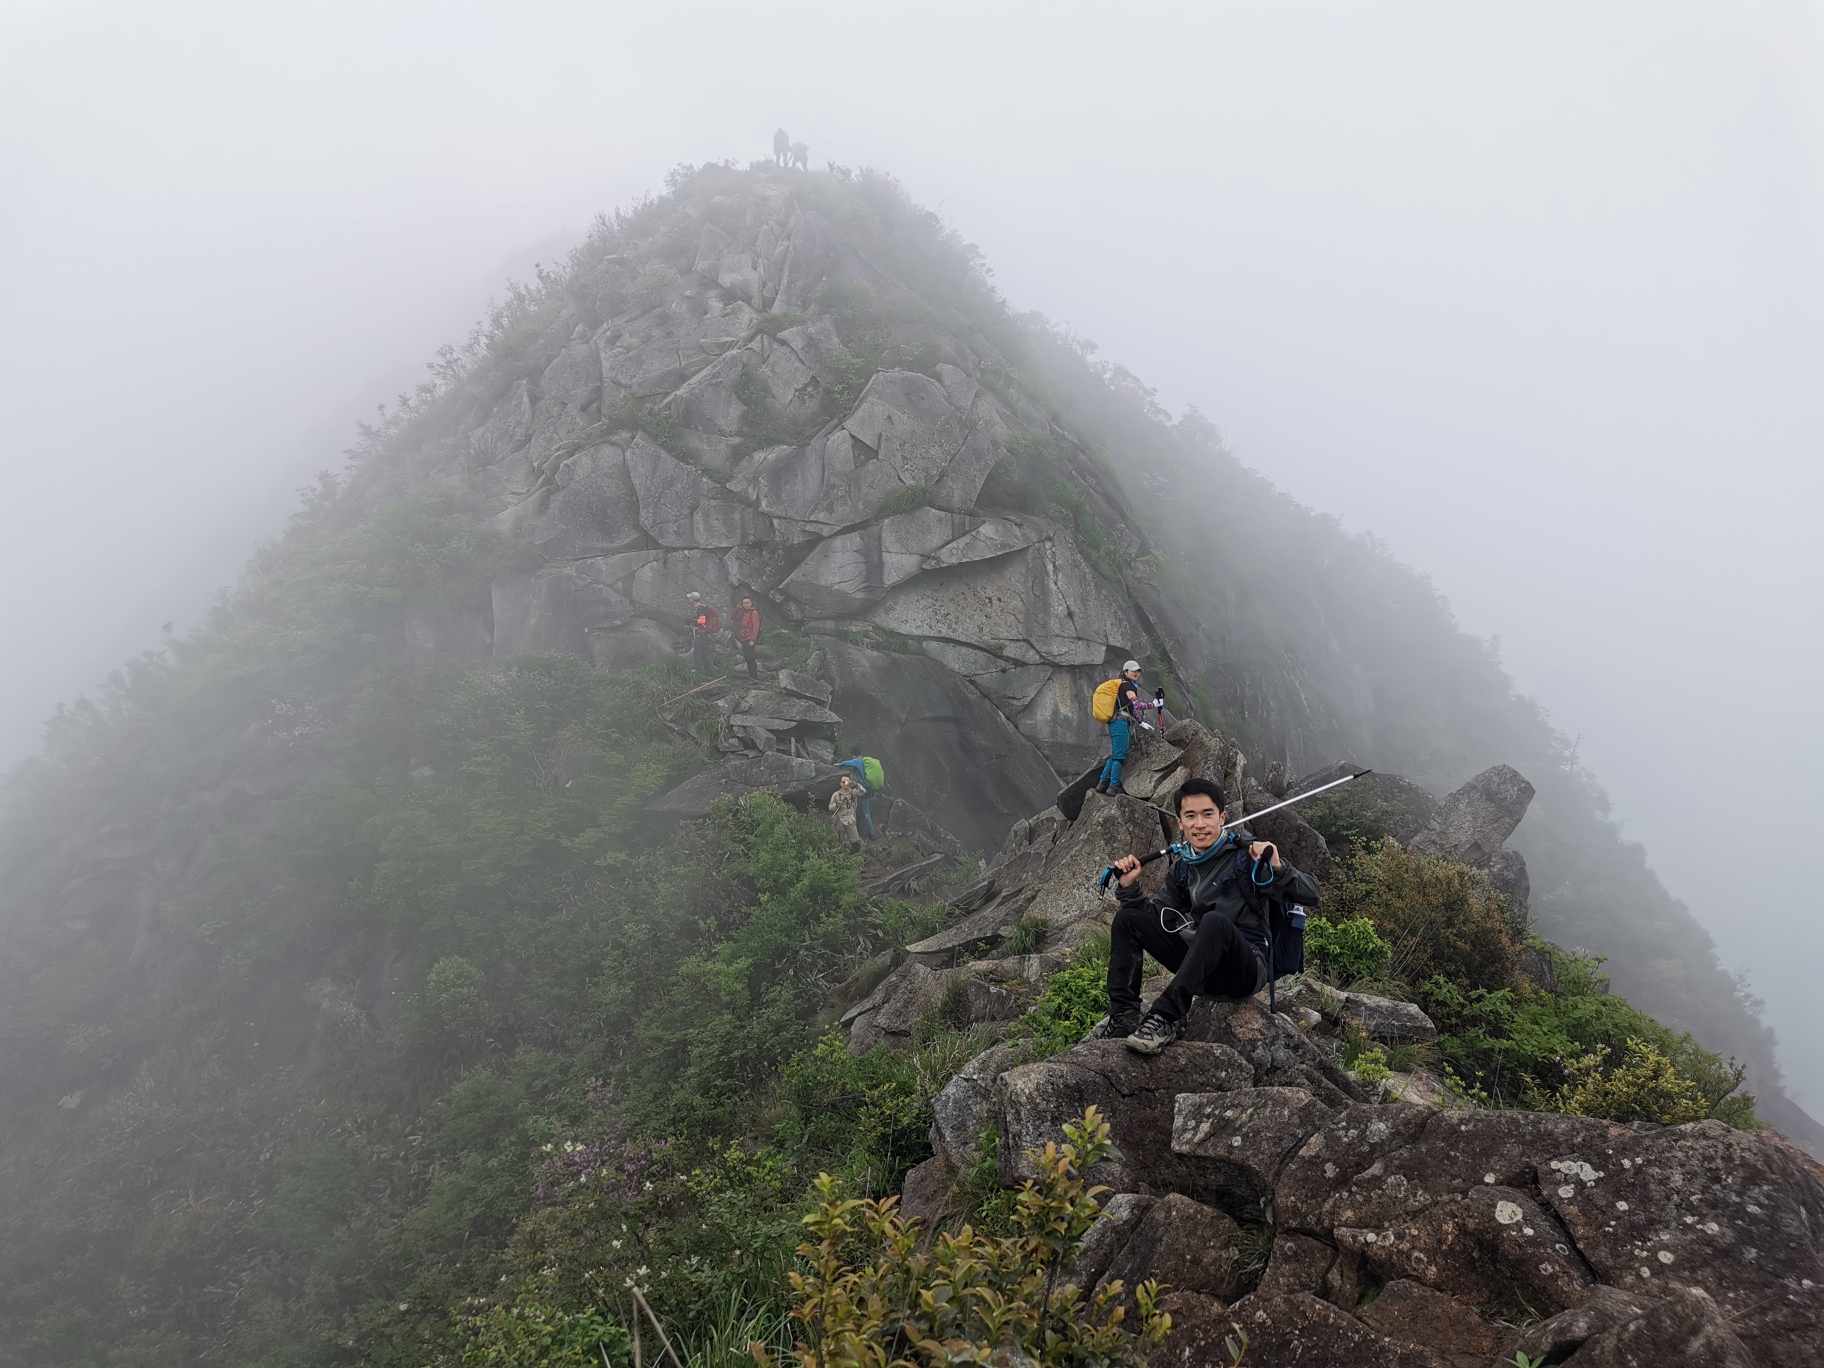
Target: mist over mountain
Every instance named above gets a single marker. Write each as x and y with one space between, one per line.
328 916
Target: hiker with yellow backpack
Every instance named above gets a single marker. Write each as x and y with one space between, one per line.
1113 703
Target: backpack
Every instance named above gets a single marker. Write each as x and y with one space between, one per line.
1285 937
1102 706
1286 934
876 776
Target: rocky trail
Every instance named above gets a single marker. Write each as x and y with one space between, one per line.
1332 1221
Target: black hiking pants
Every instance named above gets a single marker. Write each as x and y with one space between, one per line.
1218 962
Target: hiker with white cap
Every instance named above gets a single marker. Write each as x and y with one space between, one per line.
1114 704
704 623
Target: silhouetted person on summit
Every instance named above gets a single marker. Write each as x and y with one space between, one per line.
782 146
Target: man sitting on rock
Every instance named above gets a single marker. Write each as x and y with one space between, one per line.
1208 924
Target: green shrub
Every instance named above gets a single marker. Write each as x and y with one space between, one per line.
1370 1064
1644 1086
871 1292
1351 821
654 279
1073 1001
528 1332
1026 935
1524 1046
1347 950
1440 917
452 995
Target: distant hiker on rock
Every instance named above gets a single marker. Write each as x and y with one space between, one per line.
843 802
1114 704
801 156
1210 923
705 623
782 145
748 619
871 777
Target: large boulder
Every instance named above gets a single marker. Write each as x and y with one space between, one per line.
1042 603
943 745
1699 1205
1281 1054
1137 1094
965 1109
681 508
1490 1244
1296 839
1612 1329
848 572
1475 820
1183 1244
1068 892
1308 1332
1252 1130
591 510
1114 1226
1380 1018
905 419
1413 1313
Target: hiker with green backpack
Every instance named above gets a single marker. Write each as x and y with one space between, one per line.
1113 704
872 778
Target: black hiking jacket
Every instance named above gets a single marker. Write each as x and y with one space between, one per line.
1226 884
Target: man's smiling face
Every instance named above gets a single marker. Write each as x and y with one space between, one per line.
1200 820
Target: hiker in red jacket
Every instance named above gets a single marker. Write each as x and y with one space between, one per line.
749 618
705 622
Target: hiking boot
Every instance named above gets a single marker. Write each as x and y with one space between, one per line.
1101 786
1114 790
1153 1034
1117 1027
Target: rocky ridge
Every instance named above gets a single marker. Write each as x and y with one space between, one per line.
800 386
1394 1231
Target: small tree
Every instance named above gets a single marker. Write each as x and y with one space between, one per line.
874 1295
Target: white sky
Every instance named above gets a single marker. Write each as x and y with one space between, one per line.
1535 292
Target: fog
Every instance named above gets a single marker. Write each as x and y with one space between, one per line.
1535 294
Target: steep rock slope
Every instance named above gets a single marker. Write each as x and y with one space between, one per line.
757 420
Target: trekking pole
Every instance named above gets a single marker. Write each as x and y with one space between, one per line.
1299 799
688 692
1109 872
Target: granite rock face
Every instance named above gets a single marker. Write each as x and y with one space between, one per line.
706 428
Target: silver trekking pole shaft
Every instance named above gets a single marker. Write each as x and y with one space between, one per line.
1301 798
1109 872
